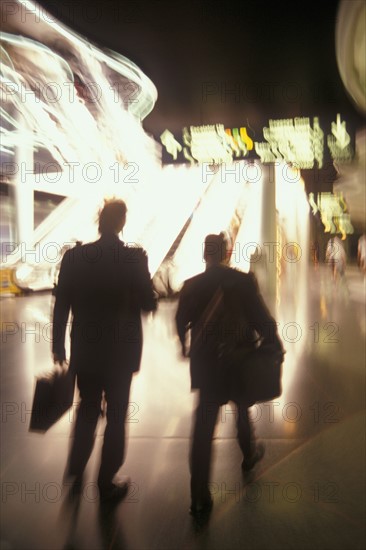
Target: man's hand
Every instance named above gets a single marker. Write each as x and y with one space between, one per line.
58 359
185 352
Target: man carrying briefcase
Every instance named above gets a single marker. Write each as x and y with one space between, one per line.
106 285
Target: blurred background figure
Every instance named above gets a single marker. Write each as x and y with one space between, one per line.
361 253
335 257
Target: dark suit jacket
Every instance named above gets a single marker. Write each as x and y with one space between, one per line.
106 285
241 319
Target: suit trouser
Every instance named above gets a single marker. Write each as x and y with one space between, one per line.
204 426
116 386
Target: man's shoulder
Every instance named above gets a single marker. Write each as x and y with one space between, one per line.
98 247
228 273
135 247
195 282
200 277
239 279
133 252
238 275
99 253
82 251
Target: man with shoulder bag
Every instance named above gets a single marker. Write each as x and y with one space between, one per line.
228 323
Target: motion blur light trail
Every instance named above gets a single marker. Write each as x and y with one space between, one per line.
77 131
71 111
74 101
293 269
214 214
49 114
249 234
79 110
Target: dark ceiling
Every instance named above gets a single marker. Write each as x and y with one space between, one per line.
238 63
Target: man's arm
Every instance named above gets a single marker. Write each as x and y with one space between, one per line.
62 308
260 317
182 319
147 296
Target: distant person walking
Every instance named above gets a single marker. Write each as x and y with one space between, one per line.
361 253
335 257
106 285
221 306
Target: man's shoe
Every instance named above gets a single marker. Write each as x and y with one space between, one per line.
201 509
114 492
77 486
74 485
249 463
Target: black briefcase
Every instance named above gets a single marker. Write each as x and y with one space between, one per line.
256 375
262 375
53 396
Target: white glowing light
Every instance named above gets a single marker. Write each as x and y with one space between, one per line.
318 142
23 272
163 209
287 140
293 217
225 194
350 42
148 93
210 144
264 151
332 209
249 235
170 143
95 147
339 141
292 140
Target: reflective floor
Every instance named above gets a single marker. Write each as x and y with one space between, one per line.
307 493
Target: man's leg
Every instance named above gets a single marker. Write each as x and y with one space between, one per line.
200 459
90 389
245 430
252 452
117 391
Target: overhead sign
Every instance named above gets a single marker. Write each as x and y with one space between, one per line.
170 143
239 140
209 143
339 142
294 140
333 212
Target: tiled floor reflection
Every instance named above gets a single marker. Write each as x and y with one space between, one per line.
306 494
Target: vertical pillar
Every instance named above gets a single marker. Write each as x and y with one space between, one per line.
269 233
24 193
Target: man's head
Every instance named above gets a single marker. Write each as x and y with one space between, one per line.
215 250
112 217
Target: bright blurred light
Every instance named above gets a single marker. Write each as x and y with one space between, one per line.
23 272
351 48
293 217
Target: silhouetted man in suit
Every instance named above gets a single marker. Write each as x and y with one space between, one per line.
221 307
106 285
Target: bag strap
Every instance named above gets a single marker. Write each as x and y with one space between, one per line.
208 313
